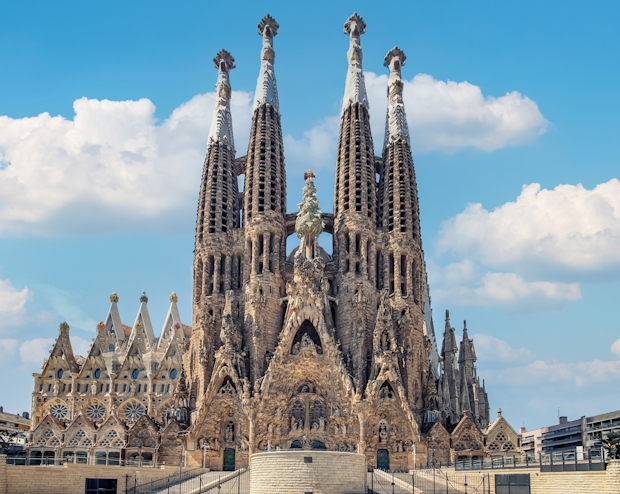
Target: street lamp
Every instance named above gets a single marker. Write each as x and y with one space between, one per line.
205 448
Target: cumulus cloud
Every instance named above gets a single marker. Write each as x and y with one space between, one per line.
580 374
615 347
7 347
491 349
112 167
453 115
12 304
567 228
36 350
466 283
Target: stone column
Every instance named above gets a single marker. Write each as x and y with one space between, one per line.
251 437
612 477
4 488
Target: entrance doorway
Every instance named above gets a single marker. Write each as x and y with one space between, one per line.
229 460
101 486
383 459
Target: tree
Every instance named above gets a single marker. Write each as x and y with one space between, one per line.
611 443
8 440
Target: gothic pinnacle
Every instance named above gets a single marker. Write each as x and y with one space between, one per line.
221 122
266 87
396 122
355 88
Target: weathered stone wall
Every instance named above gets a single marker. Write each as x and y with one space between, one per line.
71 479
328 472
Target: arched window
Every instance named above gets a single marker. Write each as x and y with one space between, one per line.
135 373
296 444
173 374
60 373
318 445
97 373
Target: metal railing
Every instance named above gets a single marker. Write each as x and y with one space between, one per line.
91 460
428 481
195 482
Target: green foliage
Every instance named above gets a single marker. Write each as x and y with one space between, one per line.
611 443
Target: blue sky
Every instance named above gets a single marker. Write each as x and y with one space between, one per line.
104 113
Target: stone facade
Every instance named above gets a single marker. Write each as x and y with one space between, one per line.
312 350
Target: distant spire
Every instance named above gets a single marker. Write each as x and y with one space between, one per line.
266 88
221 123
355 88
396 121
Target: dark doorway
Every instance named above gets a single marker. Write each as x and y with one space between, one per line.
100 486
229 460
296 445
318 445
383 459
512 483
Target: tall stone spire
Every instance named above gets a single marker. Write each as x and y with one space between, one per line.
355 233
221 123
263 212
396 121
266 88
217 261
355 88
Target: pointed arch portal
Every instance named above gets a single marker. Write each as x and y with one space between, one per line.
305 334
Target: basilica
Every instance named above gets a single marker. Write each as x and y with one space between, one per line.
310 350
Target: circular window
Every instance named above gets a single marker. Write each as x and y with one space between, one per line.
173 374
97 373
135 373
95 412
59 411
134 411
60 373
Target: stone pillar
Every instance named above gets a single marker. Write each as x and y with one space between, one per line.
612 477
4 488
251 436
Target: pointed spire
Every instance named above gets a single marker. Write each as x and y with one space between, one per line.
309 223
396 121
113 323
266 87
221 123
355 88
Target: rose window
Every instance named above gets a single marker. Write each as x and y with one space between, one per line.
118 443
134 411
48 433
105 442
73 442
508 447
80 433
501 437
95 412
59 411
493 447
54 442
112 434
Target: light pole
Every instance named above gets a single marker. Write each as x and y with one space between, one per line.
205 448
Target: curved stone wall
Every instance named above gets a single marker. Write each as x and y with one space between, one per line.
302 472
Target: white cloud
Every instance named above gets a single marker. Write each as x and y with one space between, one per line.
7 347
454 115
36 350
615 347
114 167
580 374
61 302
80 346
491 349
110 168
12 304
465 283
567 228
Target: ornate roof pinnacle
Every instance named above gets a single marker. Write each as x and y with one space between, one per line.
268 26
221 123
355 25
113 297
396 122
144 298
174 298
266 88
224 61
355 88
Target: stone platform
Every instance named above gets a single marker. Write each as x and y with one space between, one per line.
303 472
